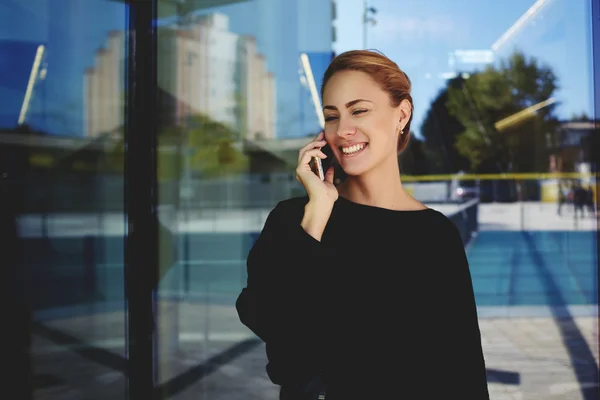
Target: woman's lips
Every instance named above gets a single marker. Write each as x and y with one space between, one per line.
350 151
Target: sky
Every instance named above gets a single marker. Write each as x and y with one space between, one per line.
419 36
72 31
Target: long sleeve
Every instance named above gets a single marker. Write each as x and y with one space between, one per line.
461 360
280 302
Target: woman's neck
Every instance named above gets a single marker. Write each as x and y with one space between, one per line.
380 187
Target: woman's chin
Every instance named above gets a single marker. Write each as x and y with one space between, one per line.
353 170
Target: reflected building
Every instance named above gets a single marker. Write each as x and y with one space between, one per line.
220 74
579 144
296 38
103 88
255 65
203 68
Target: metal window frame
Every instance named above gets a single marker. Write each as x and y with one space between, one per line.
141 198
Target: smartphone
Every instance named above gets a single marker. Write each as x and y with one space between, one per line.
318 166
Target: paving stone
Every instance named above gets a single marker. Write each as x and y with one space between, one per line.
532 347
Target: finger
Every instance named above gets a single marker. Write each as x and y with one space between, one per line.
313 144
329 174
310 154
319 140
309 147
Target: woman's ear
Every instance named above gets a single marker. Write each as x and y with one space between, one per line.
405 112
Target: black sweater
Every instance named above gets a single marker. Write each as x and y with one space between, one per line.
382 306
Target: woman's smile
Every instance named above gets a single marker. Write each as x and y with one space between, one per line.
353 150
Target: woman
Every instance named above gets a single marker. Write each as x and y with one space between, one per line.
358 290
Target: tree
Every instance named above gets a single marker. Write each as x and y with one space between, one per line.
581 117
440 130
413 160
495 94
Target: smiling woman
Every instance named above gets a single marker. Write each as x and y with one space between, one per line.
332 273
382 71
377 121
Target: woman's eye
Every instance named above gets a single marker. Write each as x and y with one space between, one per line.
355 112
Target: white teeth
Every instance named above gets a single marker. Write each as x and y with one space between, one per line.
352 149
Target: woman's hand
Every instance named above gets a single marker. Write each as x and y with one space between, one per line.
321 194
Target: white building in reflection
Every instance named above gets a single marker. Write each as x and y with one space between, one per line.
203 68
103 88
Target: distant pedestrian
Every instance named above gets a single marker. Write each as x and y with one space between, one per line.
589 200
579 199
563 194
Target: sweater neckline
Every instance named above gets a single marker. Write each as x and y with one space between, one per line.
367 207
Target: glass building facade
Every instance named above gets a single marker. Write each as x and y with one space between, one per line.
143 144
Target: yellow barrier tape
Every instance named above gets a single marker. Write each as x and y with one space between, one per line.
511 176
46 160
41 160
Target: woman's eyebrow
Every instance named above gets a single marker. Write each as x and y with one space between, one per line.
348 104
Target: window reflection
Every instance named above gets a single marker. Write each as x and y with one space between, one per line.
503 143
62 110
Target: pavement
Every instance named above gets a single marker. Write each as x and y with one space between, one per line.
527 358
205 353
533 216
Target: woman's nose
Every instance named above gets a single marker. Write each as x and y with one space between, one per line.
346 128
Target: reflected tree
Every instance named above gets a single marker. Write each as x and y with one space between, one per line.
439 131
207 147
413 160
581 117
213 148
518 92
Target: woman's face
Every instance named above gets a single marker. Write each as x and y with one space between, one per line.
361 126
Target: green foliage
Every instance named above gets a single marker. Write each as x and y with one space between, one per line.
439 131
212 148
497 93
581 117
413 160
205 145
